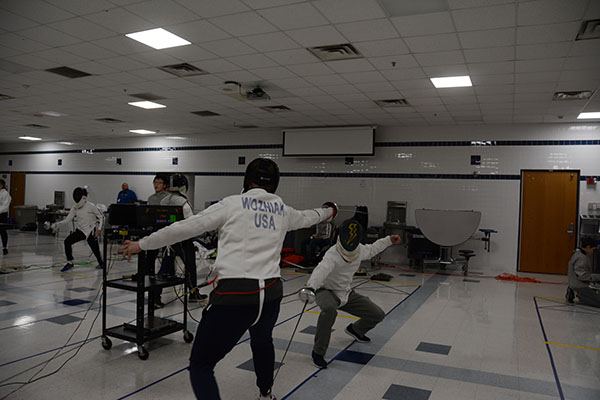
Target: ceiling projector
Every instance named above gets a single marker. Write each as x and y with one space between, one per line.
257 94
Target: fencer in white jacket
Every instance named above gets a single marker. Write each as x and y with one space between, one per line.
330 285
251 227
88 226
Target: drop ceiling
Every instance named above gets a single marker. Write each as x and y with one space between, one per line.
517 53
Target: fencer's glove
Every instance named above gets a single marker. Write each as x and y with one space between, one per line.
332 205
307 295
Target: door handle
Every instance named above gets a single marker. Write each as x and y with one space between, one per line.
570 231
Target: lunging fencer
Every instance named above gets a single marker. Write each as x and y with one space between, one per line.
248 293
88 223
330 286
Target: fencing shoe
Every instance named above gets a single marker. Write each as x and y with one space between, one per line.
196 296
359 338
570 296
319 361
5 251
100 266
269 396
67 267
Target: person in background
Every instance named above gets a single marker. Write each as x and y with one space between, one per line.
88 222
178 187
5 200
126 195
252 226
582 282
330 285
161 183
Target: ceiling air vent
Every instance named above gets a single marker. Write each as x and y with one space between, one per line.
336 52
575 95
392 103
109 120
68 72
276 109
147 96
5 97
183 70
205 113
37 126
589 30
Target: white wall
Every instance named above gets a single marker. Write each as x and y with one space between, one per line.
497 199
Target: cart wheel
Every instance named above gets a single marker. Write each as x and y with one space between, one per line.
143 353
106 343
188 336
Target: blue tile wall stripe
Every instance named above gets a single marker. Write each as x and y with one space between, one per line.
505 177
462 143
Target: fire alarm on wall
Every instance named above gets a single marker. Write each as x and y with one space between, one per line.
590 180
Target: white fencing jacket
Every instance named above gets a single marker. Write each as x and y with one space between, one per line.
336 274
5 200
252 227
87 218
178 200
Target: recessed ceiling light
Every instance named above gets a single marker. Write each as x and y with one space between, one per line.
142 131
53 114
589 115
29 138
148 105
67 143
158 38
451 81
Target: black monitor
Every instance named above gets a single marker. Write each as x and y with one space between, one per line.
141 215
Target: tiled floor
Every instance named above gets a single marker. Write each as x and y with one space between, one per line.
444 337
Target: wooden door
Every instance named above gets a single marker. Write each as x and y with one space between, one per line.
548 226
17 191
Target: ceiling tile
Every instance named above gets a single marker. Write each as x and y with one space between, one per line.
82 28
214 8
533 77
37 10
376 48
273 73
485 39
587 48
198 31
338 11
547 50
550 11
248 23
446 70
440 58
21 43
485 18
368 30
161 12
346 66
490 54
311 69
547 33
548 64
14 22
270 42
294 16
250 61
428 44
391 62
317 36
228 47
120 20
189 53
426 24
403 74
258 4
505 67
502 79
122 45
82 7
32 61
49 36
291 57
326 80
339 89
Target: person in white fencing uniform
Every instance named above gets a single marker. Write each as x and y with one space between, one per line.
251 228
88 224
330 285
5 200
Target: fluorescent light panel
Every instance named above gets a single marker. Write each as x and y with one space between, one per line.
67 143
142 131
451 81
175 137
158 38
148 105
29 138
589 115
53 114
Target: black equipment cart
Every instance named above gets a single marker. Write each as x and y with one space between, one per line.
133 222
